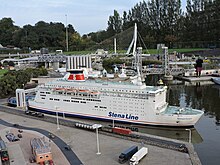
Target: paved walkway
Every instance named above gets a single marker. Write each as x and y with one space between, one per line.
69 154
83 143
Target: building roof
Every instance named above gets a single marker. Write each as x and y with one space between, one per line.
20 60
40 146
2 145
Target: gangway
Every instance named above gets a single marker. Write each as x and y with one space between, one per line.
21 96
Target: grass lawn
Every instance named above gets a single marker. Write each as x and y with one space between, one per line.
3 71
154 51
150 51
79 52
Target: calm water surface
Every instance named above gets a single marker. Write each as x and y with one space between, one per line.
205 97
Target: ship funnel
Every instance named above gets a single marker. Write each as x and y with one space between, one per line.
75 75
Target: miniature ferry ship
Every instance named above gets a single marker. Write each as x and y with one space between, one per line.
129 102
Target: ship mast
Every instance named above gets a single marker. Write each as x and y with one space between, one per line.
137 52
133 42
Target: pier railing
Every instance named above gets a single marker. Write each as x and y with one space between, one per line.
174 71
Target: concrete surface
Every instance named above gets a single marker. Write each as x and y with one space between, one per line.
20 151
16 158
196 79
83 143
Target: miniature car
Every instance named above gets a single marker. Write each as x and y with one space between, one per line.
11 137
20 135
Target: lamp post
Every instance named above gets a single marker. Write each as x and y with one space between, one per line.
190 135
23 98
67 45
58 127
97 138
97 126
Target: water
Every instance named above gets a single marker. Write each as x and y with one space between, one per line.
206 97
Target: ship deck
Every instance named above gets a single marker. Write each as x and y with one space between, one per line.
108 84
182 111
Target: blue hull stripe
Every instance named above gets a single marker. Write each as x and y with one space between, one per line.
104 119
82 117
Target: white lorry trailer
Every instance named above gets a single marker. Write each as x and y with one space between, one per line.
138 156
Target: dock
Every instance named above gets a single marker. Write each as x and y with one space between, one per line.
194 79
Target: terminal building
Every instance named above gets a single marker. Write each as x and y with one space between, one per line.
77 62
41 150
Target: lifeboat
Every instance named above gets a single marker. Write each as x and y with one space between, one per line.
94 92
83 91
71 90
59 89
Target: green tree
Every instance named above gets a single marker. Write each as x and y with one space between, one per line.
7 28
202 22
8 85
114 23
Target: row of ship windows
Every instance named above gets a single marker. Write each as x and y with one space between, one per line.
128 102
72 100
77 98
100 110
76 94
68 100
101 107
103 89
121 102
136 96
131 108
45 92
120 112
60 86
126 99
121 90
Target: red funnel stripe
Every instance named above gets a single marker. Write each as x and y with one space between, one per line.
76 77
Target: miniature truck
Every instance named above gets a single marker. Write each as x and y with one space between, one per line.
127 154
122 131
3 151
138 156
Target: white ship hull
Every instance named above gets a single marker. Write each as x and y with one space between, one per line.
112 101
163 120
